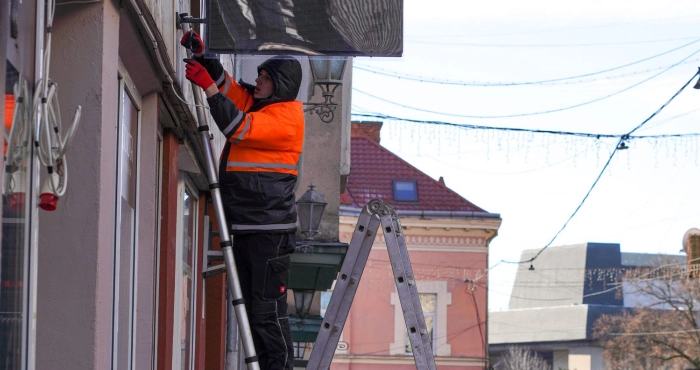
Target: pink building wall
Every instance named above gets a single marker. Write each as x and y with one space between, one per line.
370 328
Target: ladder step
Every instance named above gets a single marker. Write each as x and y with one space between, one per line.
214 270
215 255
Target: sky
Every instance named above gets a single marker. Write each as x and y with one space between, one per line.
471 69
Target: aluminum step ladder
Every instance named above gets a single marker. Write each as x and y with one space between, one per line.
371 216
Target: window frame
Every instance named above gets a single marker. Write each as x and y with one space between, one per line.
126 86
185 184
444 299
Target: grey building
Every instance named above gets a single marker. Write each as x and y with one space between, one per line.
556 301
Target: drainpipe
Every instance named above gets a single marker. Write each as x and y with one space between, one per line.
32 229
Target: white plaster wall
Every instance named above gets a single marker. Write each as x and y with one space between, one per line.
538 325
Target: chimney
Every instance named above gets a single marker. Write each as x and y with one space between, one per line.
369 130
691 246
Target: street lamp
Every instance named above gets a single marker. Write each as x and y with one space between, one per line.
302 302
328 75
302 305
310 207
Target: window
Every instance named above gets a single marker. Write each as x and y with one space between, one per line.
405 190
434 298
428 303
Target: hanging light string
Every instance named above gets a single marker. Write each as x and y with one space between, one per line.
517 129
540 82
611 278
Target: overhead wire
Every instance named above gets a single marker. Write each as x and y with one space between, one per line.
517 129
658 123
561 29
561 81
629 134
530 113
449 82
621 140
417 40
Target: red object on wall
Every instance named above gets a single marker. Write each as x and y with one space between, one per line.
9 113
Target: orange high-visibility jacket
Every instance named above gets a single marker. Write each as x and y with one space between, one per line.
259 164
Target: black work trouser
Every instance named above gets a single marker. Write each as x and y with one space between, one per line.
262 261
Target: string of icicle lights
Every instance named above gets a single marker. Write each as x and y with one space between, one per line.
607 279
523 143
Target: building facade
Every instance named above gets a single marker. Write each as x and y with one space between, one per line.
447 239
556 302
113 277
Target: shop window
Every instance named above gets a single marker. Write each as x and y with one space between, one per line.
14 262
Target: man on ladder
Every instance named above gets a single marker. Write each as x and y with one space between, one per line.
264 128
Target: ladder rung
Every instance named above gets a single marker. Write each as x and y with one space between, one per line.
214 270
215 256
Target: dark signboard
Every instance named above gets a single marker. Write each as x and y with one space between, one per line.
305 27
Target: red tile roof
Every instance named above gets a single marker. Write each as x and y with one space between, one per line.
372 171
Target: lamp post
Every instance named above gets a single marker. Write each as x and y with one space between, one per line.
328 75
310 207
313 267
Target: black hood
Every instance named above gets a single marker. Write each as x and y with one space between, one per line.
286 74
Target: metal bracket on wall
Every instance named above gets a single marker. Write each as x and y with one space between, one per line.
185 18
